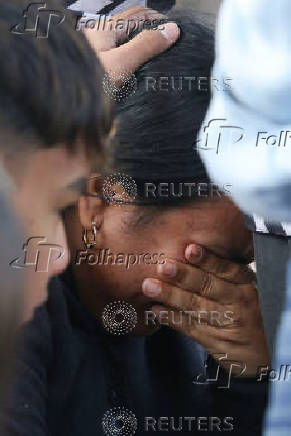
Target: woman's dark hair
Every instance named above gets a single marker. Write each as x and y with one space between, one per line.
50 79
158 125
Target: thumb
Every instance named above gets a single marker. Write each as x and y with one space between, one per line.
147 44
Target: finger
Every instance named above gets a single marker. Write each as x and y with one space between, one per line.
147 44
203 334
136 18
169 295
195 280
107 33
138 11
220 267
101 40
213 339
209 311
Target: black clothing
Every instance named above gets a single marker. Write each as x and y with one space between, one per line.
70 372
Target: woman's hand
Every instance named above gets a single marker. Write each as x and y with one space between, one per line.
131 55
214 302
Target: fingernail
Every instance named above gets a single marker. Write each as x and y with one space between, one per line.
171 31
168 269
193 253
151 288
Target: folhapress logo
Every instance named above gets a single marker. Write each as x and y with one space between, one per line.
217 133
39 254
37 21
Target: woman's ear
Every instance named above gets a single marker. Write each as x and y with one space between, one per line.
92 206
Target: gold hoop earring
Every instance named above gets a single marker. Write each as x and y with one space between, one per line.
90 243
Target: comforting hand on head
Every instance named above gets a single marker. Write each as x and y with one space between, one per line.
131 55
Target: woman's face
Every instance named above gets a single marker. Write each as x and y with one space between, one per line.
131 241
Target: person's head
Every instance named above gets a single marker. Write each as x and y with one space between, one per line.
53 113
174 202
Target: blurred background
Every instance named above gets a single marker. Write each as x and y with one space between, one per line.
210 6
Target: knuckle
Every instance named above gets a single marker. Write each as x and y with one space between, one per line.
207 286
193 302
167 293
181 275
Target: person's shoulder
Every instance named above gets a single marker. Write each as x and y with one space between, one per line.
53 311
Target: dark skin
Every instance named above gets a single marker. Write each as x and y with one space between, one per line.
212 284
212 280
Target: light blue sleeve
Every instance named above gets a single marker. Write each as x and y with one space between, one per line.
245 140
